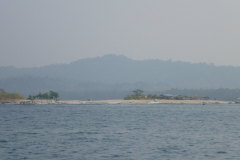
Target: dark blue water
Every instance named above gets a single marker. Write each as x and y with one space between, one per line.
120 132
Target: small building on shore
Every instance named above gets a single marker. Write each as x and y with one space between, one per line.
166 96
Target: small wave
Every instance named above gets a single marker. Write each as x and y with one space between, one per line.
3 141
221 152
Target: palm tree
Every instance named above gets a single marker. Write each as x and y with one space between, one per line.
40 96
31 98
45 96
53 95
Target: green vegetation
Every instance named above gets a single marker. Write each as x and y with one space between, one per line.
137 95
51 95
6 96
10 96
189 94
31 98
155 77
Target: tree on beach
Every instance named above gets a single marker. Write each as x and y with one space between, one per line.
40 96
138 92
53 95
30 97
48 95
45 96
137 95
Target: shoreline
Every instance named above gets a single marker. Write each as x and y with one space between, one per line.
164 102
117 101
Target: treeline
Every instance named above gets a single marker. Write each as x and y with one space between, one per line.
176 74
51 95
218 94
225 94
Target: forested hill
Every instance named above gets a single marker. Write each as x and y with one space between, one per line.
120 73
118 69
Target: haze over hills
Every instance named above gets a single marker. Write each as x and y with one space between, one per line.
114 76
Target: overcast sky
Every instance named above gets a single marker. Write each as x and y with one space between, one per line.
38 33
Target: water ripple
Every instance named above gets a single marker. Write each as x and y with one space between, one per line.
120 132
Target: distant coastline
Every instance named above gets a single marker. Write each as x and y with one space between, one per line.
117 101
114 77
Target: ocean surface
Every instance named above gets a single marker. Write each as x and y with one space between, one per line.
125 132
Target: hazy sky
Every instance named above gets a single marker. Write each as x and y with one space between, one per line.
37 33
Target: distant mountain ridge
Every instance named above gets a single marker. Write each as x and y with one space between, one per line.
110 70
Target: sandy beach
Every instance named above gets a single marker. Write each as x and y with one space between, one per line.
162 101
119 101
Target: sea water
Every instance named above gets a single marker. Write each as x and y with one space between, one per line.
152 132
